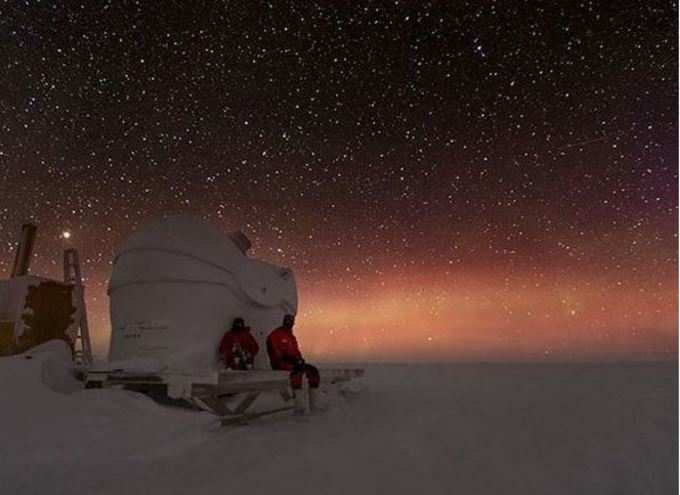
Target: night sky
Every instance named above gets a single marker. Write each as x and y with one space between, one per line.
448 180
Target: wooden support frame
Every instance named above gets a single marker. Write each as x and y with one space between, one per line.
244 418
245 387
214 392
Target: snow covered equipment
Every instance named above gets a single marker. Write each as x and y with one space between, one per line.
34 310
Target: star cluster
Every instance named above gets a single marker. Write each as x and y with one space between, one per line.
447 179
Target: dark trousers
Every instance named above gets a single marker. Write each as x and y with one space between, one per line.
310 372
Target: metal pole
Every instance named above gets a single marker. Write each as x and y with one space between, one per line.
22 258
72 276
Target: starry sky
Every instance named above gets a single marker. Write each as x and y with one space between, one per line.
448 180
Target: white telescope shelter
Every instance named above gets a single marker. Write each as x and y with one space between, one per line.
178 283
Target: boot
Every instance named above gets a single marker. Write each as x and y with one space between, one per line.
299 409
315 405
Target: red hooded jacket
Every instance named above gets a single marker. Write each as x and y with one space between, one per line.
238 348
283 349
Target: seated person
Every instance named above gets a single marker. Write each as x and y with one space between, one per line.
284 354
238 347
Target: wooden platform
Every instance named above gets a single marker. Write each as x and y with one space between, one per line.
229 394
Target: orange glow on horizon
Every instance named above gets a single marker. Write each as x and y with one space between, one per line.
484 318
472 313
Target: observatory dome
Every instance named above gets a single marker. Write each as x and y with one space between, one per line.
178 283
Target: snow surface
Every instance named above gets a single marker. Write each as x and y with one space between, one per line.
418 429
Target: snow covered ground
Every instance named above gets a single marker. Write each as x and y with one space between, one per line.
418 429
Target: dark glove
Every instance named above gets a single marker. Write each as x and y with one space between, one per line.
299 366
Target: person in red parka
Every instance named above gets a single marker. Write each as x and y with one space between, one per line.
284 354
238 347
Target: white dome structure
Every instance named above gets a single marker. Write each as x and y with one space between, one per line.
178 283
